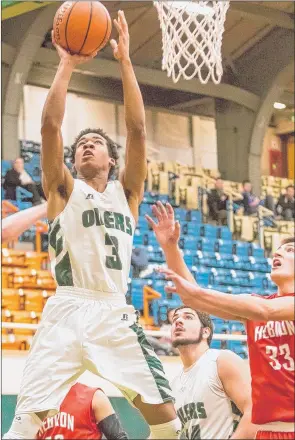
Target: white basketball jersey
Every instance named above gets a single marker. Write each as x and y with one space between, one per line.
204 409
90 242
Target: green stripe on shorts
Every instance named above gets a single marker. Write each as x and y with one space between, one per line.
154 364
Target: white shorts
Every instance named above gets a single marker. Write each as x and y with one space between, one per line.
82 330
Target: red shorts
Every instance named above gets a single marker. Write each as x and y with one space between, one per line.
271 435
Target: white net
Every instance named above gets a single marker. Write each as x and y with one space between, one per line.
192 38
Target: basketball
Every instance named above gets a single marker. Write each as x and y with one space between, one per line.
82 27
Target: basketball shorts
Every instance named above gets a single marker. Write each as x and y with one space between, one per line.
271 435
84 330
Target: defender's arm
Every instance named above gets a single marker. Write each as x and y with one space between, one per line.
246 306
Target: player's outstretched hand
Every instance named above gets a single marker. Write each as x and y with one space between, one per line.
167 230
121 48
186 290
73 60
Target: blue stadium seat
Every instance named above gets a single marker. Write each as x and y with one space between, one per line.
145 208
155 197
22 193
137 292
224 233
237 327
180 214
161 307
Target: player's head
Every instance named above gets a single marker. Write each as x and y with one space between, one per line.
92 152
283 269
190 326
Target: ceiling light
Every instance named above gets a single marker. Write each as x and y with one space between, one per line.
192 7
279 105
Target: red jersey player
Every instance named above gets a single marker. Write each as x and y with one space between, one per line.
269 322
84 413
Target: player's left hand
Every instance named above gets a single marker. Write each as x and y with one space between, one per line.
186 290
167 230
121 48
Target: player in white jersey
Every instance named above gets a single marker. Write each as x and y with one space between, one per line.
87 324
213 387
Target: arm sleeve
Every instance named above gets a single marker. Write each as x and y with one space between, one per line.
112 429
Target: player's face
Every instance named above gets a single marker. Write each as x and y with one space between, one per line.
92 154
283 263
186 328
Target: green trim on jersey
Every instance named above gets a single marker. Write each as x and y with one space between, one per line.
63 271
54 243
154 364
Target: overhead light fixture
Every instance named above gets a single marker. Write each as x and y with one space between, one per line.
279 105
192 7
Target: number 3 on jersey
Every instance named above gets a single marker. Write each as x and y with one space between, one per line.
113 262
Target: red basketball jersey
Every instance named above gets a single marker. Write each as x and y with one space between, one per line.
75 418
271 356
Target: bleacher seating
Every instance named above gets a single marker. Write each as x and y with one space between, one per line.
216 259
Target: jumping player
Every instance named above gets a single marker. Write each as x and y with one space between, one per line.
87 324
269 322
85 413
212 389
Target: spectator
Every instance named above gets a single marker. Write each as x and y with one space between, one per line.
286 204
18 176
250 202
217 200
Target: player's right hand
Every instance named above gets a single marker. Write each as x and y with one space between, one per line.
73 60
167 230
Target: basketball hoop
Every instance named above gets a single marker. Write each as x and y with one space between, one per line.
192 37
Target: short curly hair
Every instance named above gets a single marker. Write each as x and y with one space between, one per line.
112 147
204 318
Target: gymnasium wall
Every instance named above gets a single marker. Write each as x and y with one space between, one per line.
271 142
172 137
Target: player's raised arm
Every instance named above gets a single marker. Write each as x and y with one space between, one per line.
135 170
245 306
58 180
167 232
